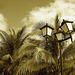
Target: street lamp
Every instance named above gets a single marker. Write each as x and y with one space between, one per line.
46 31
59 35
66 29
66 26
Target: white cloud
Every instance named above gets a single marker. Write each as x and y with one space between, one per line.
64 8
3 24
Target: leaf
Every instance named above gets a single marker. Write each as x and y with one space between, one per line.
6 36
13 33
69 51
20 33
32 58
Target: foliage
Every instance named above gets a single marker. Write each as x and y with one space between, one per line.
21 54
69 60
20 57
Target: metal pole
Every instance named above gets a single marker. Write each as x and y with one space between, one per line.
61 59
71 38
46 43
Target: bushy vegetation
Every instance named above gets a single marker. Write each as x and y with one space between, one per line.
18 57
22 55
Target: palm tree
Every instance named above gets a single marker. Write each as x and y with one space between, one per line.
69 60
22 55
19 57
68 52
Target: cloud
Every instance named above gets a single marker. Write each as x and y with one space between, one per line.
3 23
40 16
64 8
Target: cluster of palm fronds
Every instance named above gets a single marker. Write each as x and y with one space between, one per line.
22 54
69 60
19 57
10 42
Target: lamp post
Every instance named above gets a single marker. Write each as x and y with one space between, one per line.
66 28
73 36
60 36
46 31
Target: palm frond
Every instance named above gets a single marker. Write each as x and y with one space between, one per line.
9 42
5 35
12 32
56 23
69 67
31 58
69 53
7 58
20 33
43 56
30 66
1 64
69 60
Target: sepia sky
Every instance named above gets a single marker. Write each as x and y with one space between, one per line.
15 10
18 13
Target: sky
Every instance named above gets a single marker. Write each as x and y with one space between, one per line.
18 13
21 12
65 9
15 10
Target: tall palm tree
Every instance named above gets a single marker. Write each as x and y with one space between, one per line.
23 58
54 51
69 60
22 55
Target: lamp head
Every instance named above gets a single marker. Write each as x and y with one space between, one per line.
59 35
66 26
46 30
